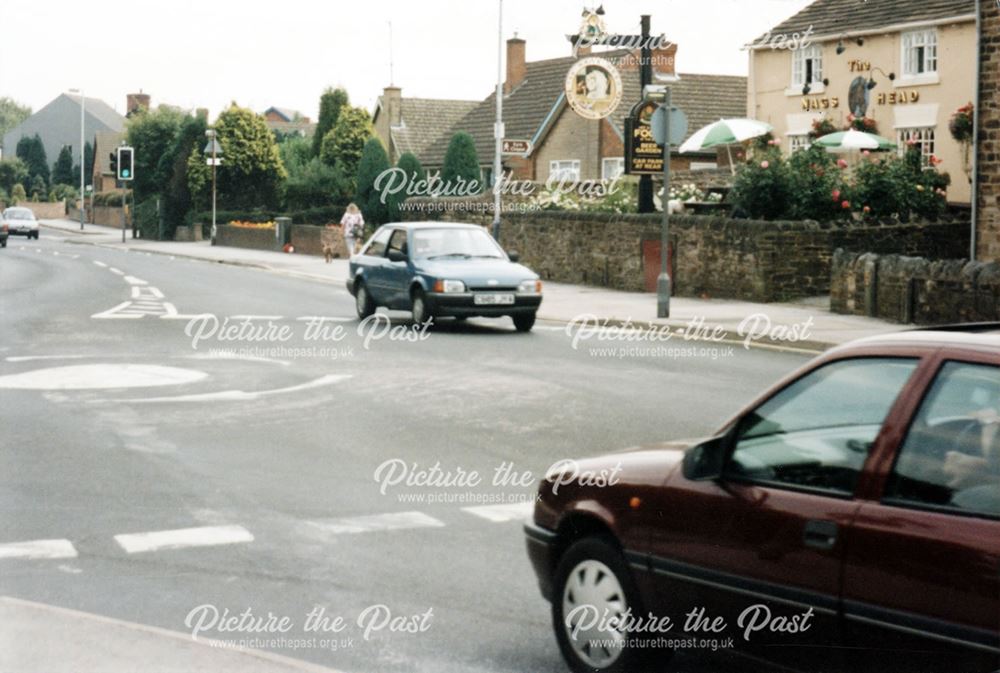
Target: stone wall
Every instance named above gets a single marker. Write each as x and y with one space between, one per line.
914 289
308 240
716 257
244 237
988 224
45 210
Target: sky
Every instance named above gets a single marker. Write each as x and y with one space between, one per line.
208 53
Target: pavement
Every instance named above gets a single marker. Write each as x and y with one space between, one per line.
807 325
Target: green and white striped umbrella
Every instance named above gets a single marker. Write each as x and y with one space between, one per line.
724 132
845 141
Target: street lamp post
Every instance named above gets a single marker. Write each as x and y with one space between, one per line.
83 103
214 151
663 281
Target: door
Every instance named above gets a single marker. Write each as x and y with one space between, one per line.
373 259
922 573
764 545
397 274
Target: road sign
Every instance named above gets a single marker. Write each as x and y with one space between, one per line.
678 125
125 163
217 161
518 147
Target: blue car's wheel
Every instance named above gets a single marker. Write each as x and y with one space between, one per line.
363 301
421 312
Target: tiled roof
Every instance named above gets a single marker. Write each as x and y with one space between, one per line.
704 98
306 128
424 120
833 17
289 114
101 110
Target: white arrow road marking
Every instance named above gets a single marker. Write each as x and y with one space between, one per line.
500 513
239 395
206 536
97 376
148 292
100 264
116 312
132 280
376 522
38 549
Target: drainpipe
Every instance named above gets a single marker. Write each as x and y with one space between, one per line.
977 120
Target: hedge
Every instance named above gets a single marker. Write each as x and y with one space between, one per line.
320 215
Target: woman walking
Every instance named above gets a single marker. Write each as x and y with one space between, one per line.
354 227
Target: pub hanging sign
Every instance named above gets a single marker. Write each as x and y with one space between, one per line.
642 155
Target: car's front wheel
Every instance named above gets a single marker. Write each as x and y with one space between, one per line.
421 311
523 322
363 301
593 591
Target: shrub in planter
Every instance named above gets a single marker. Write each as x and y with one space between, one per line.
865 124
822 127
961 124
762 188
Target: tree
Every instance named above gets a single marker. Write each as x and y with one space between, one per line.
39 190
415 174
377 205
88 164
62 172
251 174
12 113
330 104
461 175
32 152
295 152
343 144
315 184
173 167
12 172
151 133
18 195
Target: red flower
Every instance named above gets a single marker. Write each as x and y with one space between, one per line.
836 195
765 163
841 163
845 205
867 209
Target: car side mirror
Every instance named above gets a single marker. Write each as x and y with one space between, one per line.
705 461
397 256
513 256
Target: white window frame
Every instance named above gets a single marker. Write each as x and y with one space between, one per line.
800 59
564 169
916 63
619 167
922 135
797 142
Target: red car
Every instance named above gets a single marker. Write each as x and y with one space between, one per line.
848 519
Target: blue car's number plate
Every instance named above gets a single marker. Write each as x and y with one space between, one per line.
492 298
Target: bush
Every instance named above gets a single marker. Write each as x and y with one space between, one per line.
315 184
147 219
762 189
817 186
17 194
376 209
319 216
461 167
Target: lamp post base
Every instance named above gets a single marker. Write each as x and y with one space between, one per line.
663 295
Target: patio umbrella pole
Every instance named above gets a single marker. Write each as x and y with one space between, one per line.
732 168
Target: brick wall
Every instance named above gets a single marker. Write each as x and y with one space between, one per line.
308 240
988 224
914 289
45 210
715 256
243 237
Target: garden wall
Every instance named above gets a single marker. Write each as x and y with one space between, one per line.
717 257
243 237
307 239
45 210
914 289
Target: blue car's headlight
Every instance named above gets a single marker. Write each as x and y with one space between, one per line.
530 286
449 286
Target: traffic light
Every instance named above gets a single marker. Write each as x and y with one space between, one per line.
125 163
113 157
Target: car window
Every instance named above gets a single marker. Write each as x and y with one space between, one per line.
817 432
456 242
18 214
398 241
951 455
376 247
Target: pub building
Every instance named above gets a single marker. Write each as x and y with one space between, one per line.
906 64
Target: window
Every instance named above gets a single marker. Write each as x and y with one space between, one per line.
817 432
921 137
807 66
398 241
951 455
564 170
919 52
377 244
798 141
612 167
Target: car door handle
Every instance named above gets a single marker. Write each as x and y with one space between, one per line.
820 534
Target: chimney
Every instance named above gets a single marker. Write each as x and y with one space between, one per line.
516 69
392 99
135 102
665 59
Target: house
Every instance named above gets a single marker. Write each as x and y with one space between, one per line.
286 122
58 125
105 143
535 108
906 64
414 124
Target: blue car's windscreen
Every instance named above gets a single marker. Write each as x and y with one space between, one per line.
439 243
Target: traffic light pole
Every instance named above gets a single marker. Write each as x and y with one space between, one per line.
124 219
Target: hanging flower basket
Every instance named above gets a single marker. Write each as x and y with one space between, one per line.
961 124
822 127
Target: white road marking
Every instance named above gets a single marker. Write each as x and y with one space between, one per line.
240 395
132 280
117 272
100 264
147 292
500 513
28 358
256 317
376 522
97 376
223 355
326 317
38 549
181 538
117 312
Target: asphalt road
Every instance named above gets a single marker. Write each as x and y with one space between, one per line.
271 449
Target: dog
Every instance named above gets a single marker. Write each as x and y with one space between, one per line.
328 252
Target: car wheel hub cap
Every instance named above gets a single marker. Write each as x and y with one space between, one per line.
593 601
362 298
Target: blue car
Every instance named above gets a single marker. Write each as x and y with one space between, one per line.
442 269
